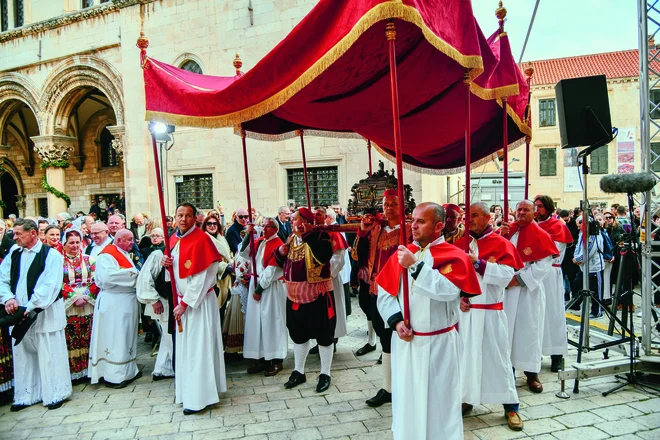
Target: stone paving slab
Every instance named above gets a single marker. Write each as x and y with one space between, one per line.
259 408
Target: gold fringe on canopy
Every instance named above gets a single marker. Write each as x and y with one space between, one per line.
292 134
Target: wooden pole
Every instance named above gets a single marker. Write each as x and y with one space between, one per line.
304 160
467 80
505 145
253 254
390 33
369 153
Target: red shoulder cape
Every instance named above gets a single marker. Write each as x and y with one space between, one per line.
269 253
115 253
447 259
338 241
533 242
196 252
557 230
494 249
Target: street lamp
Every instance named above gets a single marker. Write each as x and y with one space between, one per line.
161 134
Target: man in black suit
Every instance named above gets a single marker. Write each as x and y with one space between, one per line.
283 222
6 240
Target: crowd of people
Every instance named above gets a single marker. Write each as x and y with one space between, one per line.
454 306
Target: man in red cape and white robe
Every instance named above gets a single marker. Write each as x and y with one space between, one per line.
266 339
426 354
555 339
524 300
198 357
486 362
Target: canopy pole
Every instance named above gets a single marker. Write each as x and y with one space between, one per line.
467 80
369 153
249 203
505 145
528 121
304 160
390 33
166 238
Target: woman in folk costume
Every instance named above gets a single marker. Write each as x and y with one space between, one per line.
6 366
79 293
52 234
233 327
213 227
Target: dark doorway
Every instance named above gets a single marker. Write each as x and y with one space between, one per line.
9 192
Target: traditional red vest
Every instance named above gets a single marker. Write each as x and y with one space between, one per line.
272 246
115 253
534 243
196 252
557 230
450 261
494 249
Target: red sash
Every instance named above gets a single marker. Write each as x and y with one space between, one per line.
437 332
269 253
534 243
115 253
496 306
557 230
196 252
494 249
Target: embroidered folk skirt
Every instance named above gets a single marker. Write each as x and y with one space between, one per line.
6 363
233 329
78 335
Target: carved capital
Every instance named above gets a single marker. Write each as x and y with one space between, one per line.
118 132
51 148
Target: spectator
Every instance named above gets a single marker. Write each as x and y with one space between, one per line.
62 217
6 240
53 234
94 209
283 223
42 224
156 242
200 218
170 225
236 232
138 227
596 264
103 209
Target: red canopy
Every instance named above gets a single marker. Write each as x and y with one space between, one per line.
331 74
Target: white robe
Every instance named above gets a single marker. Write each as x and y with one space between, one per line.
113 347
525 312
147 294
555 338
426 372
486 351
337 263
200 364
41 360
265 320
94 253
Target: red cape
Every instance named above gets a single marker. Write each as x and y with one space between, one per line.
494 249
269 253
533 242
338 241
196 252
447 259
112 250
557 230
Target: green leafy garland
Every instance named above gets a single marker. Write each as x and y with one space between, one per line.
3 205
44 183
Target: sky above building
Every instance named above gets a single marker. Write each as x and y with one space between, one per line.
563 28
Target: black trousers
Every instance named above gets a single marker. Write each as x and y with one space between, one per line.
311 321
364 299
380 327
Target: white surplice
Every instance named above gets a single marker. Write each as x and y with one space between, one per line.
200 364
41 360
266 335
426 372
555 338
486 352
147 294
337 263
96 249
113 347
525 313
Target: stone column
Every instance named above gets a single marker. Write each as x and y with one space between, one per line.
118 142
50 149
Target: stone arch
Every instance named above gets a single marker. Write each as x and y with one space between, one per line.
70 81
187 56
91 132
10 168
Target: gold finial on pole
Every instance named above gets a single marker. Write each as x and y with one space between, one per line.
529 71
500 13
143 43
238 64
390 31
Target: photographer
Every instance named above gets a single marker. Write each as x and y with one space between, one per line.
595 246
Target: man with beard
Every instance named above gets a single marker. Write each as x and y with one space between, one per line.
454 229
310 309
524 300
486 362
555 339
236 231
373 247
426 369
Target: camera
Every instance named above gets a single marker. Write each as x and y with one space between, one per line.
594 227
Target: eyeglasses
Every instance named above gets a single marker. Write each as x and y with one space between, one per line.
242 217
211 224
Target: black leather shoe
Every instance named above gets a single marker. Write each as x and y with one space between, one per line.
366 349
380 359
55 405
382 397
314 350
123 383
189 412
256 368
323 383
17 408
295 379
157 377
148 337
555 367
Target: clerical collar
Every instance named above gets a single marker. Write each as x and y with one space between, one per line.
488 230
180 235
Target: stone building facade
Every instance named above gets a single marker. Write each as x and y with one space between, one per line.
71 89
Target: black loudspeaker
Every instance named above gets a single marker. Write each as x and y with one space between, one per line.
583 110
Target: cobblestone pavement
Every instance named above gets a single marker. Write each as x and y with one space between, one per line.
256 407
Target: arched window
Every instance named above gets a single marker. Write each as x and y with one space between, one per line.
19 13
191 66
109 156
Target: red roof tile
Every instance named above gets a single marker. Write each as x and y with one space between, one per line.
622 64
